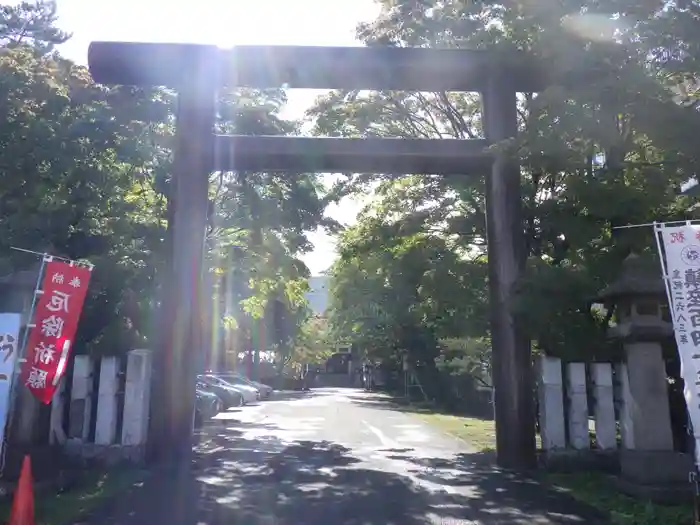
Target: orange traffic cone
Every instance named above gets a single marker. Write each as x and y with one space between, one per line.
22 512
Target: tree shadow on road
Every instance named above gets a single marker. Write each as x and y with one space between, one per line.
291 395
248 474
378 401
503 496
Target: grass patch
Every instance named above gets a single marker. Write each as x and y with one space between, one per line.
96 490
479 433
598 491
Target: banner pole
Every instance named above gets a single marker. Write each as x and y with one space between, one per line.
694 474
30 319
21 352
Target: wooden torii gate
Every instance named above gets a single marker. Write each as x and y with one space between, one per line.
197 72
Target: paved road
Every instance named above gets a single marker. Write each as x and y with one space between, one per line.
338 457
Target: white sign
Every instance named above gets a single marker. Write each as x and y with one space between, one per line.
9 347
681 245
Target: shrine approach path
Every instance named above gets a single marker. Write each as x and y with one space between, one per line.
336 457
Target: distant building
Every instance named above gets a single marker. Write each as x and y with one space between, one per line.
691 187
318 295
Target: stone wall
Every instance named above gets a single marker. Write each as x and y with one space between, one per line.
612 416
106 407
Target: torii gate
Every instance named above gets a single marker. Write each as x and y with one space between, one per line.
199 71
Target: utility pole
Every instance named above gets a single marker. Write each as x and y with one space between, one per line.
256 244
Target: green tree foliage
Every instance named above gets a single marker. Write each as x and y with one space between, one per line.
85 173
607 144
72 181
31 24
257 230
313 343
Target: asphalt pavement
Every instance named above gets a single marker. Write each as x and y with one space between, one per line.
337 457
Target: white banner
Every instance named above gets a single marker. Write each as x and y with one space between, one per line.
681 244
9 347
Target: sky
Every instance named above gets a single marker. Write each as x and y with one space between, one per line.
226 23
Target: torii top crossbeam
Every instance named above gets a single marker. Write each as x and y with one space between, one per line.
378 68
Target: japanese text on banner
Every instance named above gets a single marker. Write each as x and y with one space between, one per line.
56 316
9 337
682 248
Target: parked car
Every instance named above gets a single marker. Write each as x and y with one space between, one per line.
229 396
265 390
207 406
250 394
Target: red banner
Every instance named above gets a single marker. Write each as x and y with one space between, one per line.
55 322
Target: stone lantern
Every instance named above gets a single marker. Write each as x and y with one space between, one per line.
642 324
638 296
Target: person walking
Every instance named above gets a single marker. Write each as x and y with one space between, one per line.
368 377
304 377
311 377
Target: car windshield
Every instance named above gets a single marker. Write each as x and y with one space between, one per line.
226 381
234 380
216 381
